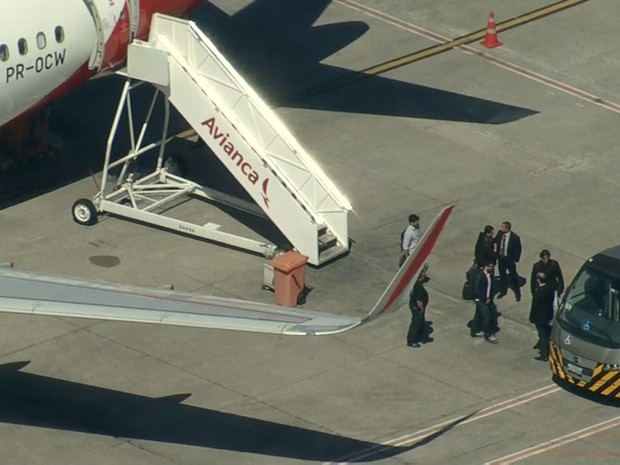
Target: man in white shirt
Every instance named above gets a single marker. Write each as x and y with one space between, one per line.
410 238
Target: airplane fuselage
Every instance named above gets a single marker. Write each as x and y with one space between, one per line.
48 48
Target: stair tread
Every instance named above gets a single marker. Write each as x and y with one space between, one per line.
331 253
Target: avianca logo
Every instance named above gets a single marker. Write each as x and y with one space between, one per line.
222 139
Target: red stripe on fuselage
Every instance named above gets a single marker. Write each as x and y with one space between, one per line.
81 75
169 7
116 46
115 52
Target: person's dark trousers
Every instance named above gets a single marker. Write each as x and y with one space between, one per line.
482 319
512 279
493 317
544 333
416 327
474 323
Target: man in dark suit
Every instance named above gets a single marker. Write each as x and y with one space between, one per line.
418 301
508 246
484 251
551 270
484 322
541 314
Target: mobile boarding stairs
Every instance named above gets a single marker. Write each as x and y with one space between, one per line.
285 183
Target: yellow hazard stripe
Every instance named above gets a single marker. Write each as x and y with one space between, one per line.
613 387
602 380
555 359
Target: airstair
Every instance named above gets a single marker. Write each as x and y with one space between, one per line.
284 182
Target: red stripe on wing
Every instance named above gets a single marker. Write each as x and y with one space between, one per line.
421 253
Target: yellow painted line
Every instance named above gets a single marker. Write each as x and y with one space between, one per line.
434 49
527 17
472 37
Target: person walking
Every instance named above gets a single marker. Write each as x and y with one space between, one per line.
541 315
418 301
484 251
552 271
484 322
409 238
509 253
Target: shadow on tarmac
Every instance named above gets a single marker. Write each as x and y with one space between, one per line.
277 47
33 400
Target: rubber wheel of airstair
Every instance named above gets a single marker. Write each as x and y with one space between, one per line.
84 212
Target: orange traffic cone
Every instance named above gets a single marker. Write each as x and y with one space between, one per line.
490 38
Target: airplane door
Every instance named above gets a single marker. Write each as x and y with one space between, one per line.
96 56
134 18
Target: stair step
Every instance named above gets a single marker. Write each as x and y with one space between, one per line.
327 241
331 253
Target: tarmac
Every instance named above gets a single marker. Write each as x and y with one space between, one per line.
526 132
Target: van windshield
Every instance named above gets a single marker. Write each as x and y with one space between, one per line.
591 308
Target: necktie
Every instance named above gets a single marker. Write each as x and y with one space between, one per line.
502 246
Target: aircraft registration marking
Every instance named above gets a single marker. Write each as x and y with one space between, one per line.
40 64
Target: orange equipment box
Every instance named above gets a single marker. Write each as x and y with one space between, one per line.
288 277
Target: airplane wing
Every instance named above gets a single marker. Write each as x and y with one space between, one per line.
38 294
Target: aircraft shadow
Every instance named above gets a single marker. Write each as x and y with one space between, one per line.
279 50
34 400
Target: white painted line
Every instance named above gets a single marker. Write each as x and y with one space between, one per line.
485 412
552 444
409 439
550 82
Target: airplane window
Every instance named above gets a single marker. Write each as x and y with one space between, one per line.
22 46
4 52
41 40
59 32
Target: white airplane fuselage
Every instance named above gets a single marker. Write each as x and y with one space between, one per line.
48 48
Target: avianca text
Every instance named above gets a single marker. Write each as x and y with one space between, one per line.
222 139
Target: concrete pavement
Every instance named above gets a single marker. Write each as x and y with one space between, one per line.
454 128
